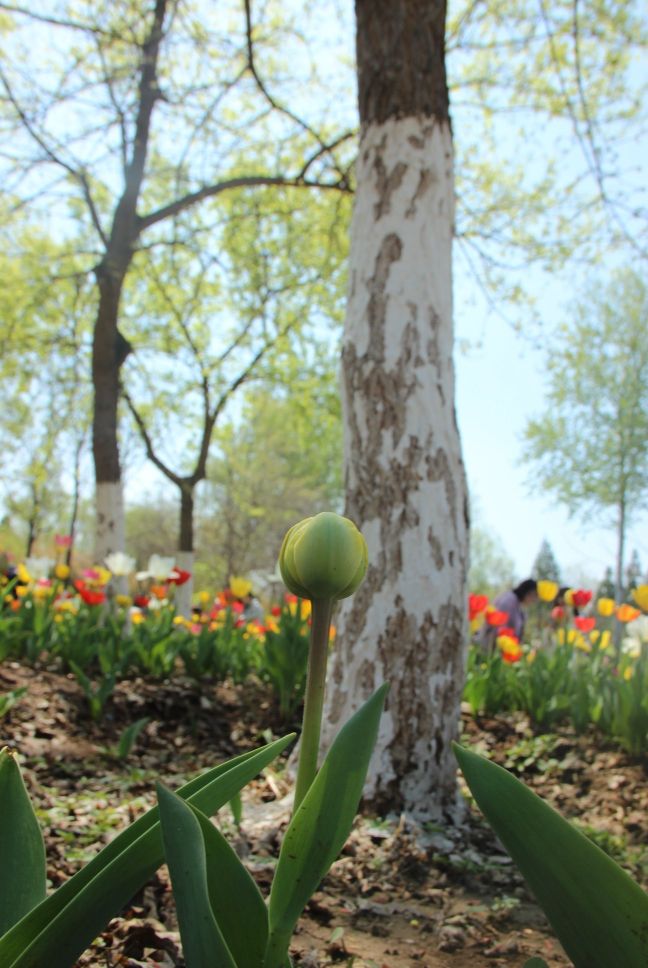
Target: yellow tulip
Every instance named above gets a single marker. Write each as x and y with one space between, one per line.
124 601
605 639
137 618
62 571
240 587
23 574
605 607
628 673
547 590
640 595
569 596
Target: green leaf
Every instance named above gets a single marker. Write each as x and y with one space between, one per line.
535 963
222 894
203 944
321 825
129 736
598 913
57 931
22 851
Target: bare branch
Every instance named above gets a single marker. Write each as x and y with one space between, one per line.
243 181
148 443
58 22
78 174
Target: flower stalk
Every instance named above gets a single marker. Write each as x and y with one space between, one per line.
313 697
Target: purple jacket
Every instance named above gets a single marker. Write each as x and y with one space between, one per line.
509 602
506 602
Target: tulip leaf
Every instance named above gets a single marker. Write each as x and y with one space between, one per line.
321 825
203 944
221 894
22 851
59 929
597 911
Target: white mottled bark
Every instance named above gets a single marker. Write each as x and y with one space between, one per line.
110 531
184 593
110 528
404 473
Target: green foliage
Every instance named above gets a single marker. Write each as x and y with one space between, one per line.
221 913
560 683
9 699
598 913
280 462
57 929
285 657
22 852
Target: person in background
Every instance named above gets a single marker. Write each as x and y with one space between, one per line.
513 603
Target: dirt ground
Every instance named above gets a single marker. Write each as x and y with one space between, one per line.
402 895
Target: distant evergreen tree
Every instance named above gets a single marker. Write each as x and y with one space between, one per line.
606 587
545 567
632 576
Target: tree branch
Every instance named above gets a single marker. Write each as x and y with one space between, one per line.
243 181
78 174
148 443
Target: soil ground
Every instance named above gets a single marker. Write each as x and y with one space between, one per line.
402 895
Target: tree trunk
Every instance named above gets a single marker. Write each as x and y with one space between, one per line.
185 557
109 350
76 498
405 480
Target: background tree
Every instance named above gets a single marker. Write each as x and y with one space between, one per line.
281 462
590 447
404 475
44 433
132 112
209 324
606 587
633 576
545 566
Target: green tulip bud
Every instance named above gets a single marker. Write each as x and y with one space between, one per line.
323 557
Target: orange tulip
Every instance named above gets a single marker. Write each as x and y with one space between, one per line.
627 613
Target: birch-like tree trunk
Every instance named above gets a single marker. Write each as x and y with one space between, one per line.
405 480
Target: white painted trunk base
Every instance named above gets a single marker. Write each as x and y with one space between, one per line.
110 528
184 593
404 473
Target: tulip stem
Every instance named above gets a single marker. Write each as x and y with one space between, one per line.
314 697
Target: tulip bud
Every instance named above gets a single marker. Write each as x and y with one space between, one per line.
323 557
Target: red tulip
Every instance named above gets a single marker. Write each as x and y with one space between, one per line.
580 598
476 604
179 577
496 617
89 595
584 623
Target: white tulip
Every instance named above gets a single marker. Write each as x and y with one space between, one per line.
119 563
